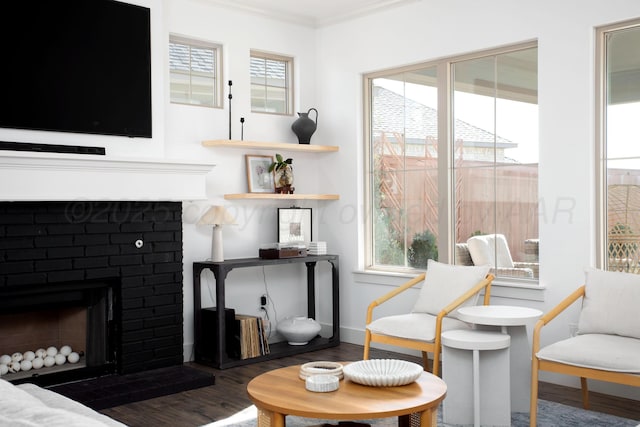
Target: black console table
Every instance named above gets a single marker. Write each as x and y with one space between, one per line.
220 270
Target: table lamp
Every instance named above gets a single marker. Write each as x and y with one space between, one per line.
217 216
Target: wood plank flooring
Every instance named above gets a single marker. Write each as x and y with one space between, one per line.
197 407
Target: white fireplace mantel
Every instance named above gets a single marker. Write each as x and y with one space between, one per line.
81 177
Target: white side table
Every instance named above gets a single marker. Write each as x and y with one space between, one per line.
512 320
475 366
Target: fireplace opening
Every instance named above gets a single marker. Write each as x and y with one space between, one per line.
60 318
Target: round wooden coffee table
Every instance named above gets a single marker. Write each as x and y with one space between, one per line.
281 392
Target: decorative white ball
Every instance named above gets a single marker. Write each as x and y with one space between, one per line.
29 355
5 359
65 350
73 357
25 365
16 357
4 369
60 359
37 363
14 367
49 361
41 353
52 351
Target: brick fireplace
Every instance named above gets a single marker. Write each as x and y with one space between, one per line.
132 250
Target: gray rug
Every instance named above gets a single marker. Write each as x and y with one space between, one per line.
550 414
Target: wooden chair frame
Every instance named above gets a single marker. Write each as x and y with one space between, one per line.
561 368
425 347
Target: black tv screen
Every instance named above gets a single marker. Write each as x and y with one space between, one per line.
76 66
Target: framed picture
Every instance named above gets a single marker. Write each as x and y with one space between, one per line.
294 225
259 179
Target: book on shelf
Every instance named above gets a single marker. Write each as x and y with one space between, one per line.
252 337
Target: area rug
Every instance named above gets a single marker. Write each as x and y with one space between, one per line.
550 414
114 390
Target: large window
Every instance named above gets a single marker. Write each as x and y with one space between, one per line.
194 72
453 154
619 173
271 83
403 156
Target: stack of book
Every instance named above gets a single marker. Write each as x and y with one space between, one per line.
252 338
317 248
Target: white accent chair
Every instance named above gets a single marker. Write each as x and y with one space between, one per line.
445 289
493 249
607 345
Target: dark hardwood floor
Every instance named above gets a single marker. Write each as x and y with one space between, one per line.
228 396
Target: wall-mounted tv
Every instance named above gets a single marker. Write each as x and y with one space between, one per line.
79 66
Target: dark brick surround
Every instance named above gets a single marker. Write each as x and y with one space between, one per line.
56 242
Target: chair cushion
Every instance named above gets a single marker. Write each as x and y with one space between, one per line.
490 249
444 283
463 257
598 351
610 304
415 326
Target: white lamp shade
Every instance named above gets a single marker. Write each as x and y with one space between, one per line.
217 215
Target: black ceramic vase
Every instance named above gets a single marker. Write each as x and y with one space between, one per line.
304 127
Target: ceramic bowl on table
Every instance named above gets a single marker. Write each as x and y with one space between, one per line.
383 372
298 330
321 367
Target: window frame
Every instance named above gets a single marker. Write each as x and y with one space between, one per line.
446 190
218 78
289 81
601 185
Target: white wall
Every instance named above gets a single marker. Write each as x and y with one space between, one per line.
330 62
187 126
426 30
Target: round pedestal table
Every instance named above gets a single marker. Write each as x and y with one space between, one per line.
512 320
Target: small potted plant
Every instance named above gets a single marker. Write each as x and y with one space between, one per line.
283 174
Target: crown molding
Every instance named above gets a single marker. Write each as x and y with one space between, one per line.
342 12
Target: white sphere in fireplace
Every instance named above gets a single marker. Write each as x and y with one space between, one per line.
4 369
14 367
60 359
52 351
16 357
65 350
73 357
49 361
37 363
25 365
5 359
41 353
29 355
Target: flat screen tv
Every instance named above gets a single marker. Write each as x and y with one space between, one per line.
79 66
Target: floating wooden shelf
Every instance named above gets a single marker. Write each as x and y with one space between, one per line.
310 148
275 196
232 143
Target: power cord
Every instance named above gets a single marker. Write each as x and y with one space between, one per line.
270 302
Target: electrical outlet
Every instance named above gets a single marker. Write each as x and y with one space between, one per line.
263 301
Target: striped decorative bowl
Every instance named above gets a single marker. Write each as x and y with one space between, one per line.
382 372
